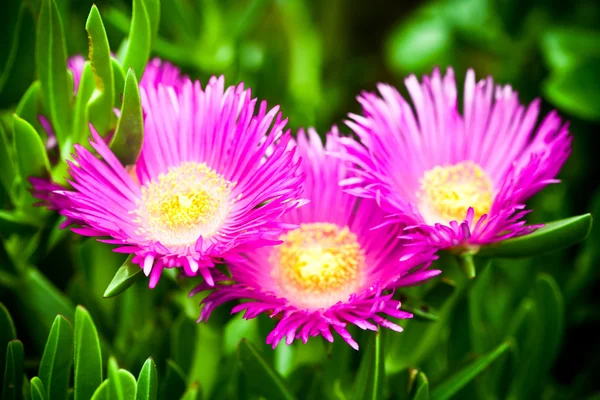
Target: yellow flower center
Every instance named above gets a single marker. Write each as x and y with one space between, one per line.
318 264
448 192
189 201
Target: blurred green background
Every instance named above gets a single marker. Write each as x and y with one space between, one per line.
313 57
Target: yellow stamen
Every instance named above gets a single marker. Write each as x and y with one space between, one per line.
189 201
320 263
448 192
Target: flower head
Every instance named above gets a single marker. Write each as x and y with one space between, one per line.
331 270
202 189
458 180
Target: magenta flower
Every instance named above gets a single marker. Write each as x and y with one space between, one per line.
202 190
458 181
331 270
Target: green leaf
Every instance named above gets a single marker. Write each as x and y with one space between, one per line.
551 308
102 392
101 111
88 355
127 140
51 61
421 387
261 377
553 236
45 299
238 328
13 371
174 383
452 385
564 47
30 106
139 41
418 44
55 367
371 373
119 81
147 383
153 11
192 393
37 389
87 85
7 333
8 167
121 383
576 90
17 222
31 153
126 276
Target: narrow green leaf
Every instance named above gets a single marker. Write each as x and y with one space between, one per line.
577 89
371 373
55 367
421 387
127 140
147 383
37 389
119 81
550 305
31 153
87 85
51 60
7 333
452 385
101 105
139 41
193 392
174 383
126 276
88 355
261 377
30 105
8 167
121 383
13 371
102 392
45 299
553 236
153 11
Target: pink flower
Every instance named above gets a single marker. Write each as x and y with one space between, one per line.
458 180
202 190
331 270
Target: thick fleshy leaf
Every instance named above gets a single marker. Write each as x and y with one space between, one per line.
126 276
55 366
119 81
87 85
576 90
32 159
192 393
37 389
173 385
88 356
102 392
139 40
45 299
7 333
121 383
453 384
263 379
420 387
13 371
127 140
101 111
147 383
553 236
153 11
8 167
371 374
51 61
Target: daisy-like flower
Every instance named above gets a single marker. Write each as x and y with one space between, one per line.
330 271
202 189
156 72
458 180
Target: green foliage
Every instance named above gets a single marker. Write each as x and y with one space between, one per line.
493 326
